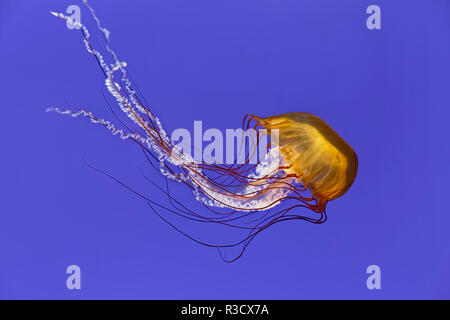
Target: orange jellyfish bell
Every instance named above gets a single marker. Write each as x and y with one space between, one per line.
314 153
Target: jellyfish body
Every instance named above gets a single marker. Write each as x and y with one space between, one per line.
312 166
321 159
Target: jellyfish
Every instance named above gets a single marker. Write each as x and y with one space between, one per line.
306 164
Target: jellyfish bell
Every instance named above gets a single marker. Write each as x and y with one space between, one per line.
314 153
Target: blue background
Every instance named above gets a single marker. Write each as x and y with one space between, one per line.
385 91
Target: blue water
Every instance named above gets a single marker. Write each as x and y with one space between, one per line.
385 91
